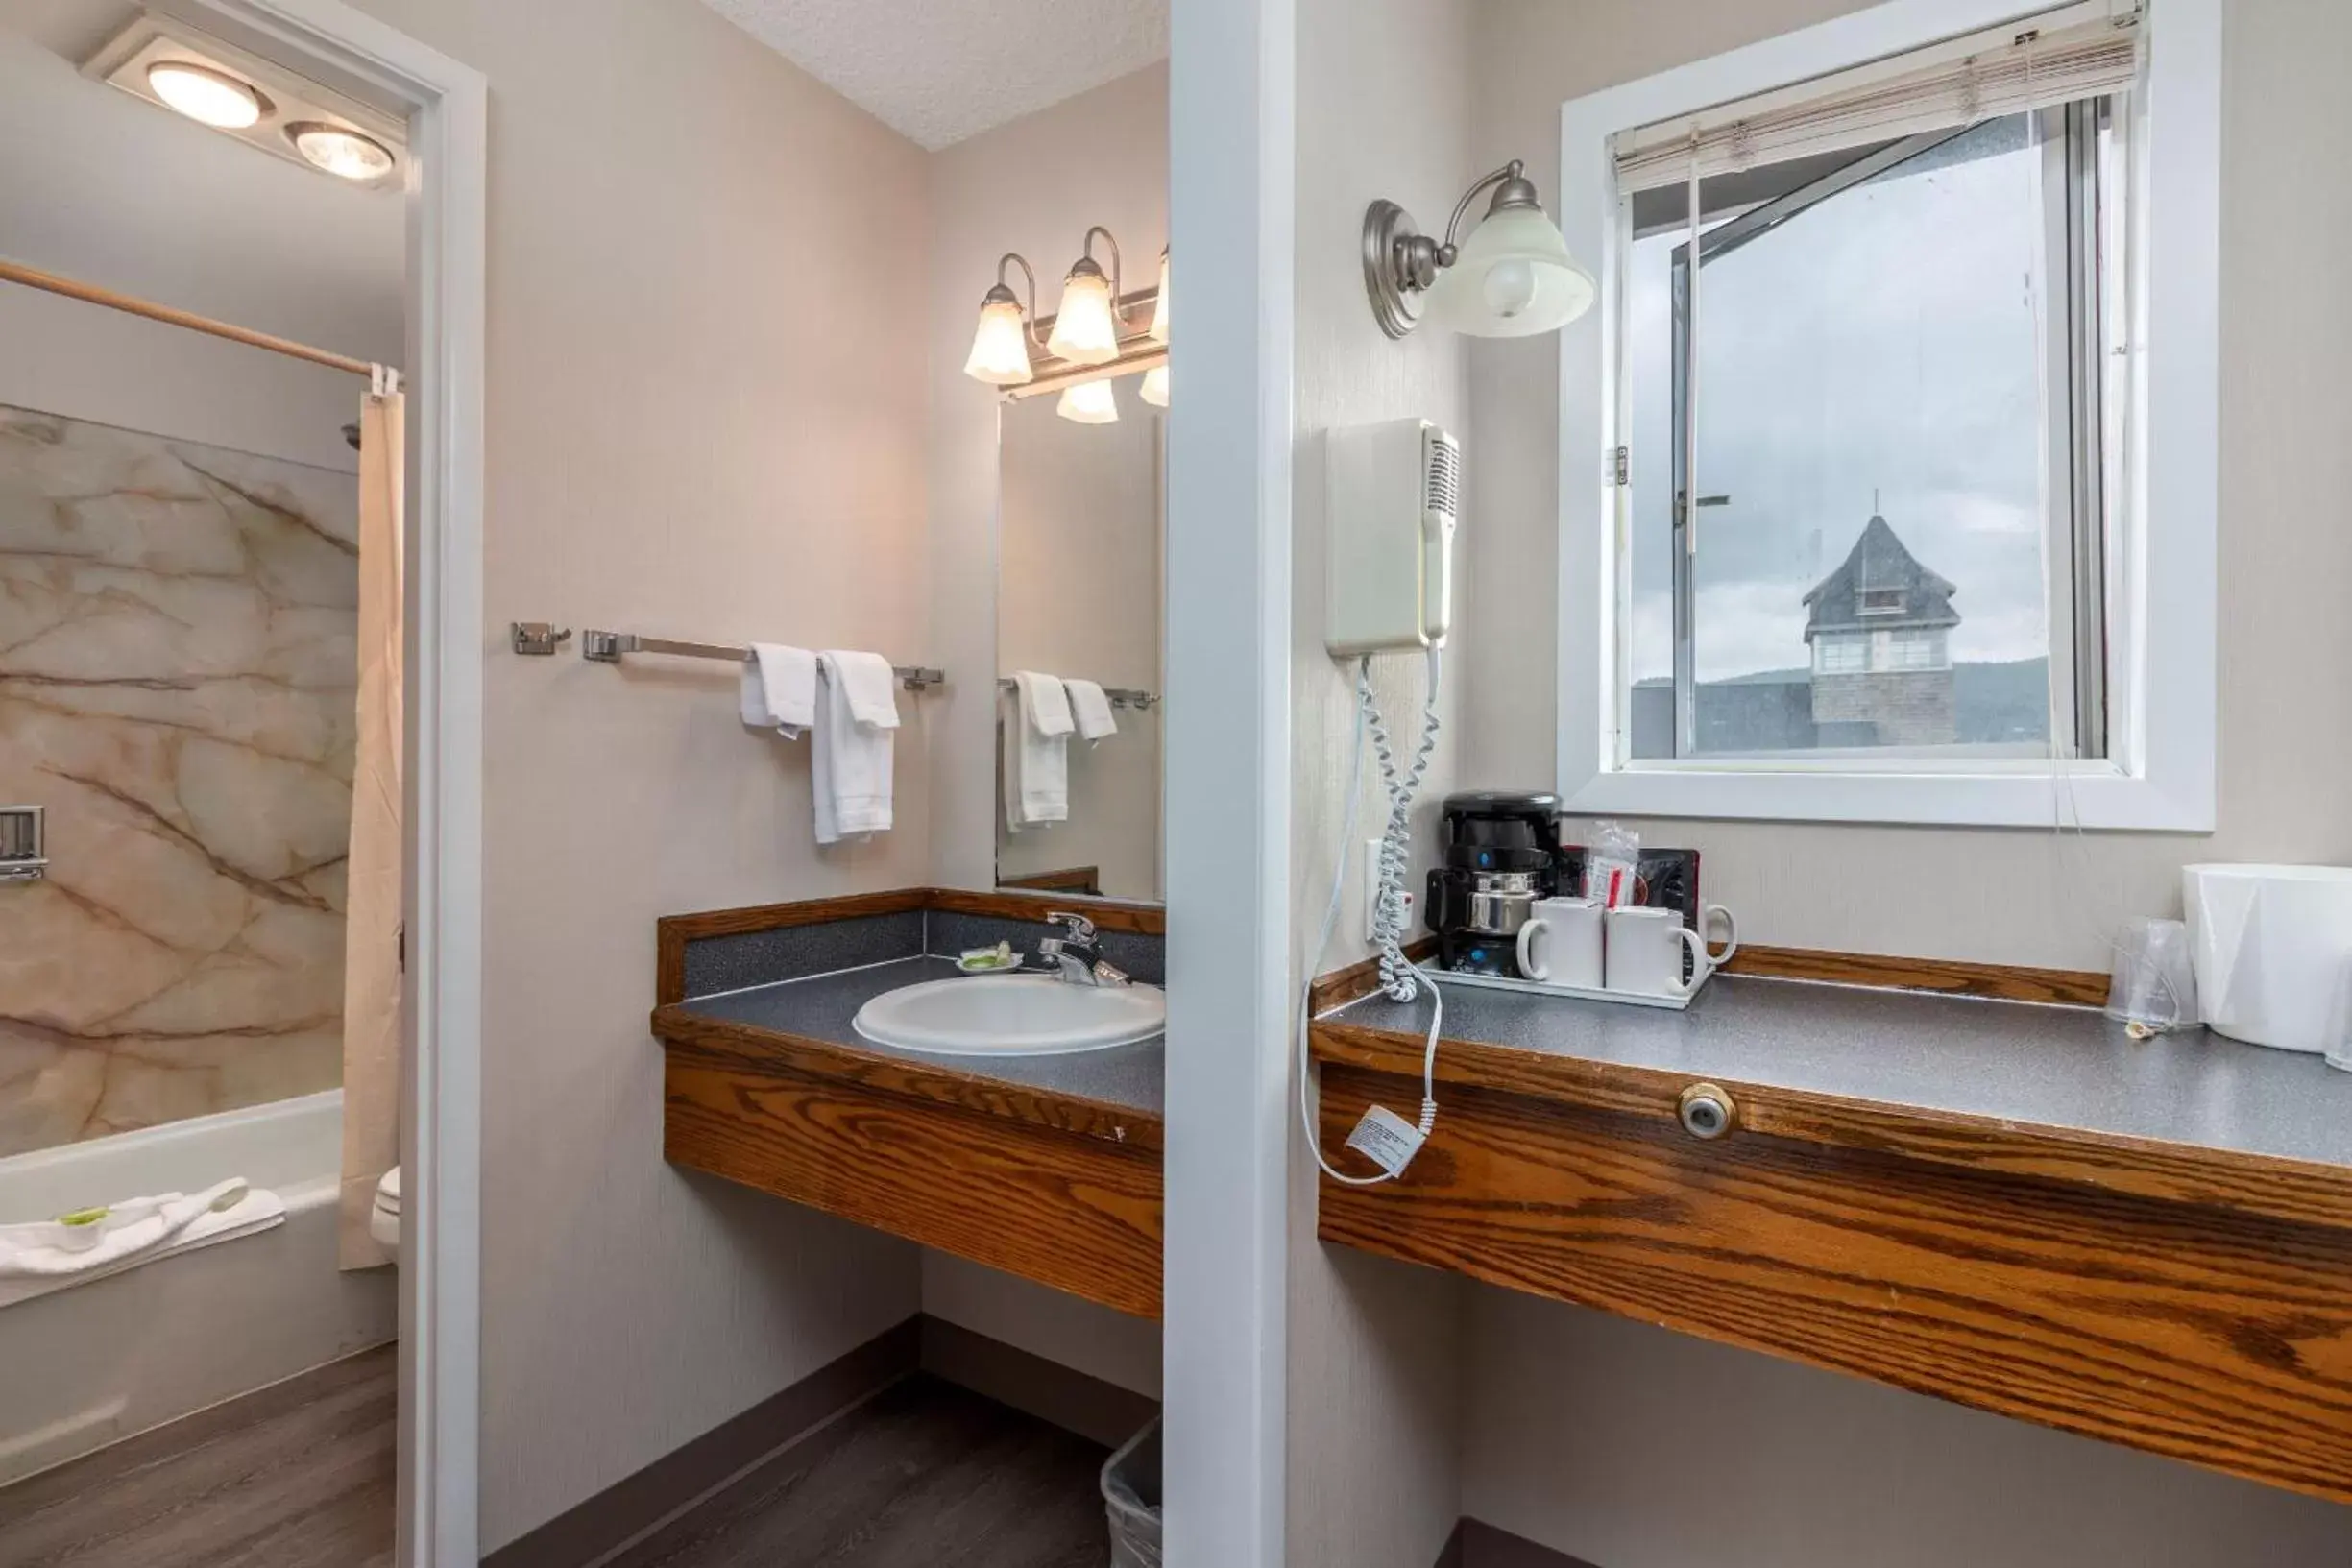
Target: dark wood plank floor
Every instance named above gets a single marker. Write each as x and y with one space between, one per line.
295 1476
925 1475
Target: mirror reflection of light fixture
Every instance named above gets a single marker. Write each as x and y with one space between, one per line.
999 346
1155 388
1088 403
1159 308
204 95
339 151
1513 277
1086 327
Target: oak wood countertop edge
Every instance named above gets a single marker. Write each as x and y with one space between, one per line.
2273 1188
679 1030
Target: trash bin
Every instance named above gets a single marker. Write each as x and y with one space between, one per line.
1130 1491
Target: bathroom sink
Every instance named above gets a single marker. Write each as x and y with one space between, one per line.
1013 1015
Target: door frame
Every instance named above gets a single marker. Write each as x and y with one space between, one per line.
445 106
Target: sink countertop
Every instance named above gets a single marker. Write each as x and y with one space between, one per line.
820 1008
2065 1068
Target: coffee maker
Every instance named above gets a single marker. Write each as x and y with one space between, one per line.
1501 856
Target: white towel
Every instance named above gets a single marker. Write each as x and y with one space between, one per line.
856 715
1090 709
1045 703
50 1255
1037 762
780 690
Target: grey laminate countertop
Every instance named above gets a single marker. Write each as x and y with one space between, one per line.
822 1006
2058 1067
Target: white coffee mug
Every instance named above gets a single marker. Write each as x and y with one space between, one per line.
1646 952
1560 943
1709 913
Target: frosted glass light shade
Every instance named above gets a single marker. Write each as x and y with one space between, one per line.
1089 402
1512 279
1085 331
344 154
1160 309
999 347
1155 388
206 96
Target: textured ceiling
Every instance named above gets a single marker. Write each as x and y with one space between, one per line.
937 71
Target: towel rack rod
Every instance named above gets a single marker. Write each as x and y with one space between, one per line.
608 647
1120 696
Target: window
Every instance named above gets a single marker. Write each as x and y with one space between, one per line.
1882 536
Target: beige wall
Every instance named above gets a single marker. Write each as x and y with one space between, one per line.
1373 1380
2285 654
1032 186
1636 1448
706 417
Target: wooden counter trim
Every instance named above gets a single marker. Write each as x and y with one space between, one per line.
755 1049
2215 1338
1080 1214
1107 914
2296 1190
672 932
1945 976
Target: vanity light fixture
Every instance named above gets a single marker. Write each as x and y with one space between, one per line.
1088 403
340 151
1513 277
1159 308
1086 327
1155 388
207 96
999 346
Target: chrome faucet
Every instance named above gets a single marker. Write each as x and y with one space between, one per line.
1079 952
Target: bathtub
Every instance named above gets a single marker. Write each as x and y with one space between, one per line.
95 1362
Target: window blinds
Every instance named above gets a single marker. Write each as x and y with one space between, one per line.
2023 65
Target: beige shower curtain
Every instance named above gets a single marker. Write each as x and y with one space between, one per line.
371 928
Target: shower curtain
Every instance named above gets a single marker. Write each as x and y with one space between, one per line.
371 1032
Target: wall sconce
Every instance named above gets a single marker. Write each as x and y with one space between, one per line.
1513 277
1089 340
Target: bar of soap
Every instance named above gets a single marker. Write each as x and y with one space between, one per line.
979 961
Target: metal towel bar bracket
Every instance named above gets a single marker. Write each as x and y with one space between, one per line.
608 647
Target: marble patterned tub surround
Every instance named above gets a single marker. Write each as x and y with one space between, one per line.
176 680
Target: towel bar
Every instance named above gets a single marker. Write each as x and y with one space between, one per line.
607 648
1119 696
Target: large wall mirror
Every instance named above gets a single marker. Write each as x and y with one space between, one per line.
1080 521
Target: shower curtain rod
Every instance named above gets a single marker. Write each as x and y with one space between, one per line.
32 278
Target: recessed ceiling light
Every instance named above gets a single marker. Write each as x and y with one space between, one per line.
346 154
215 98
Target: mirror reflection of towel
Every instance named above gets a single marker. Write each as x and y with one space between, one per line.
1091 710
1036 750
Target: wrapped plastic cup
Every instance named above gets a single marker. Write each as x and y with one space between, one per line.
2154 981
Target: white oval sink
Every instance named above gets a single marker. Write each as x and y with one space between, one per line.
1013 1015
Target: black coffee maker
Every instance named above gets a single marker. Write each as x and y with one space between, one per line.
1502 854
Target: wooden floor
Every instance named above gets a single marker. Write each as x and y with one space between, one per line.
296 1476
925 1475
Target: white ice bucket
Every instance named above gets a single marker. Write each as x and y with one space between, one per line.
2269 944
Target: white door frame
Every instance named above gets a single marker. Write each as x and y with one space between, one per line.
1231 154
445 106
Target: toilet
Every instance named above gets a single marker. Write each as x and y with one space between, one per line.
384 1219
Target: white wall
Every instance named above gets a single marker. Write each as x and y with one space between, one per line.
2286 653
1032 186
1633 1447
705 415
1383 111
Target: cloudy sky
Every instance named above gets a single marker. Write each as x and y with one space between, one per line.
1885 342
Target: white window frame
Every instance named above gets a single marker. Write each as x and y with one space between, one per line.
2159 771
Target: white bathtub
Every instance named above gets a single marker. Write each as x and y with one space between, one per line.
84 1367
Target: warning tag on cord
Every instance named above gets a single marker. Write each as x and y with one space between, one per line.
1386 1139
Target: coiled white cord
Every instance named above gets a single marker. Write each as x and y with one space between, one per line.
1399 978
